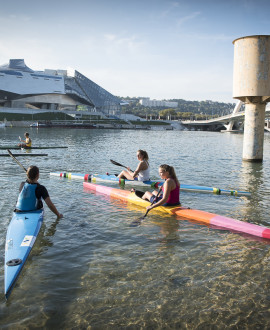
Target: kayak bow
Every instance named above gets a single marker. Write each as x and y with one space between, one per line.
21 235
206 218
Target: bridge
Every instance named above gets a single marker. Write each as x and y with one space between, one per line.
233 122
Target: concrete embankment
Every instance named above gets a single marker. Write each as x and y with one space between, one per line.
27 124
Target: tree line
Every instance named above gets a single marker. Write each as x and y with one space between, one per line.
194 110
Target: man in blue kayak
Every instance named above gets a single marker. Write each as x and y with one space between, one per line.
31 193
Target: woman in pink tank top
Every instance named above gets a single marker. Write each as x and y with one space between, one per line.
170 191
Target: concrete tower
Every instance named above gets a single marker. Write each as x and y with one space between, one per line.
251 85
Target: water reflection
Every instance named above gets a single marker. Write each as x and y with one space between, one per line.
253 177
169 229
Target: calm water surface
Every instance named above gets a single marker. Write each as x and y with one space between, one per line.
92 270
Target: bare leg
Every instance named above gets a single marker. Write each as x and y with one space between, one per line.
125 174
147 195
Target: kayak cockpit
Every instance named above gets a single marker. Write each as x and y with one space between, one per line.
139 193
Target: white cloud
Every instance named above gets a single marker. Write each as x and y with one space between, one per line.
132 49
120 43
110 37
186 18
170 9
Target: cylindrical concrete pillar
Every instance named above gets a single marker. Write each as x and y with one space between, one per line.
254 132
251 72
252 86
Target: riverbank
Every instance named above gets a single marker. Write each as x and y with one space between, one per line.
94 124
75 119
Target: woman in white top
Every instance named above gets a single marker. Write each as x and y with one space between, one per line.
142 172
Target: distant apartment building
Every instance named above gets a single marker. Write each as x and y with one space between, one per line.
146 102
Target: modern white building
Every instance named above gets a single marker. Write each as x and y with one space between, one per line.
22 87
146 102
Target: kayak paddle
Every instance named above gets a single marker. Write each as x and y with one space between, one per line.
138 221
11 155
118 164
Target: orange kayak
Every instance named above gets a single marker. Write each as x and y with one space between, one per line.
207 218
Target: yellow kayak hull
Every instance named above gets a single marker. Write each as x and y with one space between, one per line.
207 218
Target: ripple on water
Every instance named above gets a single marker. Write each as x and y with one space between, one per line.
91 269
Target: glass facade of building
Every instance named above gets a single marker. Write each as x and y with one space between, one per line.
102 100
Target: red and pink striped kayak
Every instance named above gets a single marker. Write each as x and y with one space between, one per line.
207 218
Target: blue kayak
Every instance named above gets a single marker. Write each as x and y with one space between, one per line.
155 184
152 183
21 236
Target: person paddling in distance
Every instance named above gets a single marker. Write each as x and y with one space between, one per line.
27 143
31 193
142 172
170 195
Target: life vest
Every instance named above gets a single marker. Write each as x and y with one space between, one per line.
27 200
28 142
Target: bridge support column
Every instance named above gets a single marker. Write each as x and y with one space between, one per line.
254 132
251 84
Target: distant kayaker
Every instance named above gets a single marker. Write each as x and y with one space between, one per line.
31 193
142 172
170 195
27 143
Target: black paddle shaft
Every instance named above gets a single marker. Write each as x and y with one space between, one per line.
11 155
138 221
152 202
118 164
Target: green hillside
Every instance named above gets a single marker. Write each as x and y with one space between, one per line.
185 110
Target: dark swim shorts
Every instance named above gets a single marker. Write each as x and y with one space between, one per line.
152 199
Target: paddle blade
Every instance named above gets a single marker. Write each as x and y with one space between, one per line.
135 223
118 164
138 221
115 163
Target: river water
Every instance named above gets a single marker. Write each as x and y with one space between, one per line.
92 270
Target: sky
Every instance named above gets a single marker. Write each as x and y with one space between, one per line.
162 49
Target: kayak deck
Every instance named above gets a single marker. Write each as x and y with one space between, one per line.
24 155
203 217
151 183
41 147
20 238
156 184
